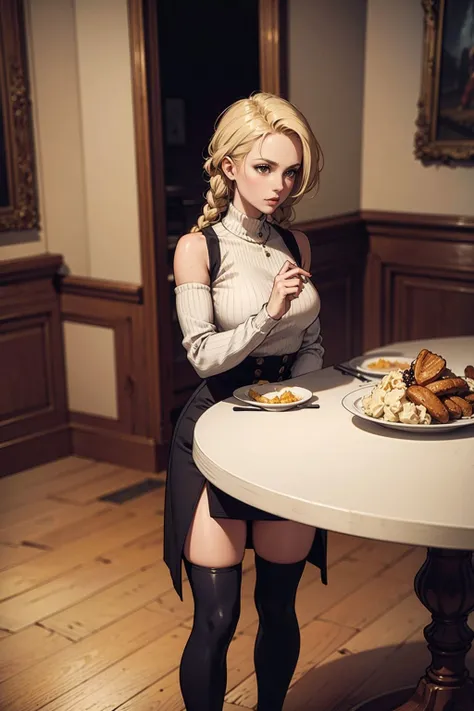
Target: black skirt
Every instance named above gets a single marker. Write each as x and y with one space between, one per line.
185 483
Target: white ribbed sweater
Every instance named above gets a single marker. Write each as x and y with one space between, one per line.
225 323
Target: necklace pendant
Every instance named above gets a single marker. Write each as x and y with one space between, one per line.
267 254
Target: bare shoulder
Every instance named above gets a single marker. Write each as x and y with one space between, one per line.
304 247
191 259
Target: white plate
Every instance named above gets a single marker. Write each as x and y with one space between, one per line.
361 363
270 390
353 403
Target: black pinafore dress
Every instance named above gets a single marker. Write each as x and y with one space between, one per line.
185 483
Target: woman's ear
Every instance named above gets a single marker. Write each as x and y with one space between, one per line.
228 168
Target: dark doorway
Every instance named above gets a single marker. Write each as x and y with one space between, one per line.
209 57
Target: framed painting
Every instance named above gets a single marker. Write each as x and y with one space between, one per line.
446 106
18 194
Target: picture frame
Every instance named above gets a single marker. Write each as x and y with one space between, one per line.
18 190
445 122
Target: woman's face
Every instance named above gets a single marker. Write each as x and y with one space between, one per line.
266 176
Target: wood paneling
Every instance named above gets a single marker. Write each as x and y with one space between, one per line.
339 251
420 277
128 440
33 411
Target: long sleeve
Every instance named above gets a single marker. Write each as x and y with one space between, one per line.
211 352
310 355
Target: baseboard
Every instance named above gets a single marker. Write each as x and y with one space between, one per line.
34 449
125 450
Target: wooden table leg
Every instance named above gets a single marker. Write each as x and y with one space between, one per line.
445 586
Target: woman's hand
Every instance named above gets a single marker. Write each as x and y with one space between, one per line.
287 286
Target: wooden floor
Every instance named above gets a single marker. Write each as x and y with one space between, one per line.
89 622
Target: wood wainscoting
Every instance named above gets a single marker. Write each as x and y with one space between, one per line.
339 254
382 277
125 439
33 411
420 277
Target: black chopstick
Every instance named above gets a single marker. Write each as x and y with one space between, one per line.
351 373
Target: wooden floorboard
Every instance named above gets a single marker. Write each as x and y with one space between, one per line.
89 620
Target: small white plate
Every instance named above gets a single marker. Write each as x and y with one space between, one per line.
353 403
362 363
270 390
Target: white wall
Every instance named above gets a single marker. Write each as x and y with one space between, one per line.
80 73
391 177
326 65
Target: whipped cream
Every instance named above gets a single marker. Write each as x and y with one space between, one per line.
470 384
388 401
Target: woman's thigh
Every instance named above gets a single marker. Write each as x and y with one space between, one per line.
214 542
282 541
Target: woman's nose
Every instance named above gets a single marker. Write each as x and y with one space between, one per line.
278 181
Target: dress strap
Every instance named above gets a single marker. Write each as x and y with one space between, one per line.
213 247
290 242
214 251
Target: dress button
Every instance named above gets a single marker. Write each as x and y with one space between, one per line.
259 361
282 369
257 372
284 359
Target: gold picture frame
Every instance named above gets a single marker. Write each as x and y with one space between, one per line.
18 192
445 120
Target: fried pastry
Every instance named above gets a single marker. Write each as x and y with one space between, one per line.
465 406
422 396
455 412
446 386
428 367
285 398
469 397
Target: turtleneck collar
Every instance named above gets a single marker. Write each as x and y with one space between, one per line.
240 225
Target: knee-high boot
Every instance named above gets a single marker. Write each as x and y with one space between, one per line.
278 639
203 671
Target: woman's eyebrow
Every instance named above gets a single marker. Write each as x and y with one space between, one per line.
276 165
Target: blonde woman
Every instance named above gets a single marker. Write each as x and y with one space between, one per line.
248 311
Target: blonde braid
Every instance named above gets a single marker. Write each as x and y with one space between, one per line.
217 198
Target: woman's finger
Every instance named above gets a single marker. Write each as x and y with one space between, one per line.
286 267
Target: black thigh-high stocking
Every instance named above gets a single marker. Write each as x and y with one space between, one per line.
203 671
278 639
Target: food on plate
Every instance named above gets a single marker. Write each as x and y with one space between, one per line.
284 398
469 371
427 391
446 386
465 406
428 367
455 412
422 396
384 364
388 401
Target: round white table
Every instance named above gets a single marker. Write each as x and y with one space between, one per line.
329 469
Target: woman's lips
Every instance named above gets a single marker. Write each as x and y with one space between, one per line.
272 200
